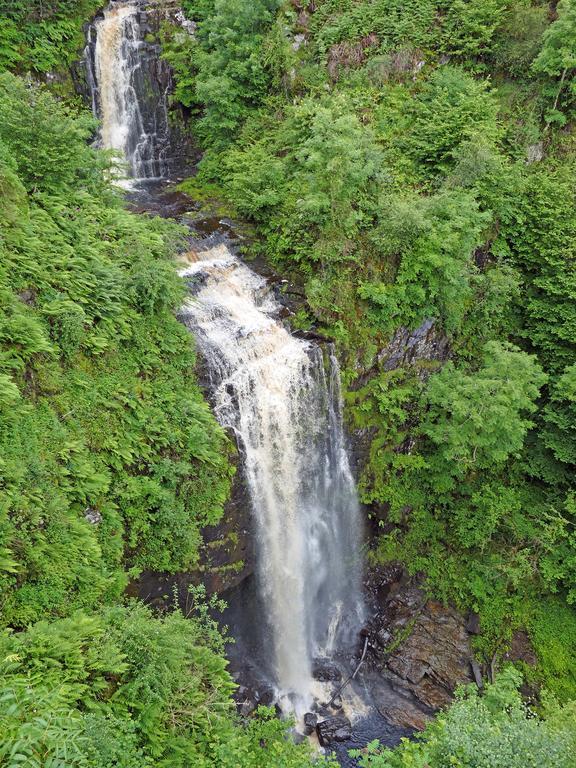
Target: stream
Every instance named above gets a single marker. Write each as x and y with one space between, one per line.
297 621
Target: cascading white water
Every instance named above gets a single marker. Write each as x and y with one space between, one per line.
282 399
133 117
279 394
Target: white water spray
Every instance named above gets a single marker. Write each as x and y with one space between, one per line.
282 399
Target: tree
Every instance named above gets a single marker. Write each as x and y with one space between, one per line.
231 77
478 420
557 57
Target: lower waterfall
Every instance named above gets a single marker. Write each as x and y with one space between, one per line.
281 397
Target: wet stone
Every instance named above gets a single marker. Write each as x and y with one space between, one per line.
337 703
325 671
332 729
310 722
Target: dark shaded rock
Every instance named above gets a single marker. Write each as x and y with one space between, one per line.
246 708
521 649
266 696
248 698
196 282
92 516
28 296
336 703
227 558
332 729
410 348
473 624
398 704
310 722
325 671
421 648
435 656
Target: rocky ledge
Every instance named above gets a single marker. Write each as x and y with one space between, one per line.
419 650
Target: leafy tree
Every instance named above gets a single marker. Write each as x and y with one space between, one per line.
468 27
452 108
557 58
51 149
559 432
231 75
479 420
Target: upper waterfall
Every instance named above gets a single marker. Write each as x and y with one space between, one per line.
282 399
128 96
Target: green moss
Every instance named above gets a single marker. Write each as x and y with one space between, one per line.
552 629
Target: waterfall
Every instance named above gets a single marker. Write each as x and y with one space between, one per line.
128 87
281 397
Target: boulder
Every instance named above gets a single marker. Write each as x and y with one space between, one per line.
325 671
310 723
92 516
332 729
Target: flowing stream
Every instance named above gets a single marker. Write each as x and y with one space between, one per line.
279 395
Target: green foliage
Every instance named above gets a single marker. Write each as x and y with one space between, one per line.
478 421
432 238
451 509
62 161
493 730
519 38
227 73
42 35
557 59
451 109
122 688
551 625
318 192
101 415
469 26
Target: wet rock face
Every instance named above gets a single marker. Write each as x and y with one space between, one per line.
310 723
422 350
227 556
326 670
408 348
419 649
435 657
248 699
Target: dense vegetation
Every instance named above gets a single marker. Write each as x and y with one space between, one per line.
110 457
42 36
413 166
